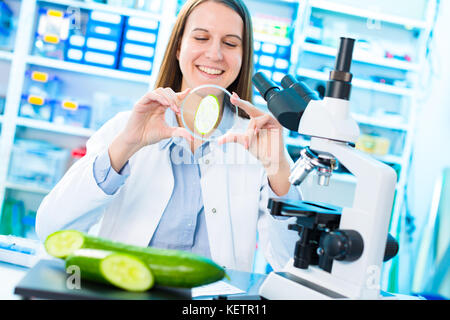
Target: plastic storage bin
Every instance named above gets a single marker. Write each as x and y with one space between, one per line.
100 59
36 107
138 45
111 21
107 106
71 113
136 65
106 27
52 33
103 39
45 163
74 51
42 84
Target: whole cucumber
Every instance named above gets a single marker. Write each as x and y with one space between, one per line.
174 268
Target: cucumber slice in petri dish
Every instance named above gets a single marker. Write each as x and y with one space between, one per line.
207 112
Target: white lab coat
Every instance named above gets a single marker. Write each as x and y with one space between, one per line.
234 188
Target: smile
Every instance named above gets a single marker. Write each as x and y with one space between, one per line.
210 71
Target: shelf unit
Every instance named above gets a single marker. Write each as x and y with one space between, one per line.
336 7
87 69
5 55
21 59
360 56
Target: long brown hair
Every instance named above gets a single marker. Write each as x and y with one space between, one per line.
170 73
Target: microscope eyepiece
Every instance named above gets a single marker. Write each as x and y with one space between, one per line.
339 86
288 81
286 105
345 55
264 85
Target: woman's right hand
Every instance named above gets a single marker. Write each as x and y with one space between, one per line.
147 125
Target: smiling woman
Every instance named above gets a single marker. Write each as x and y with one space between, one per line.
214 204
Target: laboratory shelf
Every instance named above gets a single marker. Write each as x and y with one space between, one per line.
6 55
371 120
299 142
361 56
358 83
103 7
26 188
367 14
87 69
52 127
271 39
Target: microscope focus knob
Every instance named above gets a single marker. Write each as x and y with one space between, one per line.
343 245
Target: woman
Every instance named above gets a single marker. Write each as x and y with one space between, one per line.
129 186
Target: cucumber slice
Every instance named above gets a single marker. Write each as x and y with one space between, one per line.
126 272
62 243
207 114
118 269
172 268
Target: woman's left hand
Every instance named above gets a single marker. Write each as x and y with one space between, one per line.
263 137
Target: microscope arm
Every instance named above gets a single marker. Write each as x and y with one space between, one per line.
372 205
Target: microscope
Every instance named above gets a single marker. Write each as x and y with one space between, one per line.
340 251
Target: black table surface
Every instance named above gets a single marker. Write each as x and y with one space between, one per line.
49 280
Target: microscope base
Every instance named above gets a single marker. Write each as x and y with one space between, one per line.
286 286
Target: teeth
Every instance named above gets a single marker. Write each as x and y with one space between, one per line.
210 70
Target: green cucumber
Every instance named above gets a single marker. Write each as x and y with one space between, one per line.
173 268
118 269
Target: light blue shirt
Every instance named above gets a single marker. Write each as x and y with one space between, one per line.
182 225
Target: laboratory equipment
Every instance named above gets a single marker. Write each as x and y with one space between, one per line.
20 251
12 215
207 112
340 251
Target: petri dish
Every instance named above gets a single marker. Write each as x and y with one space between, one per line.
207 112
